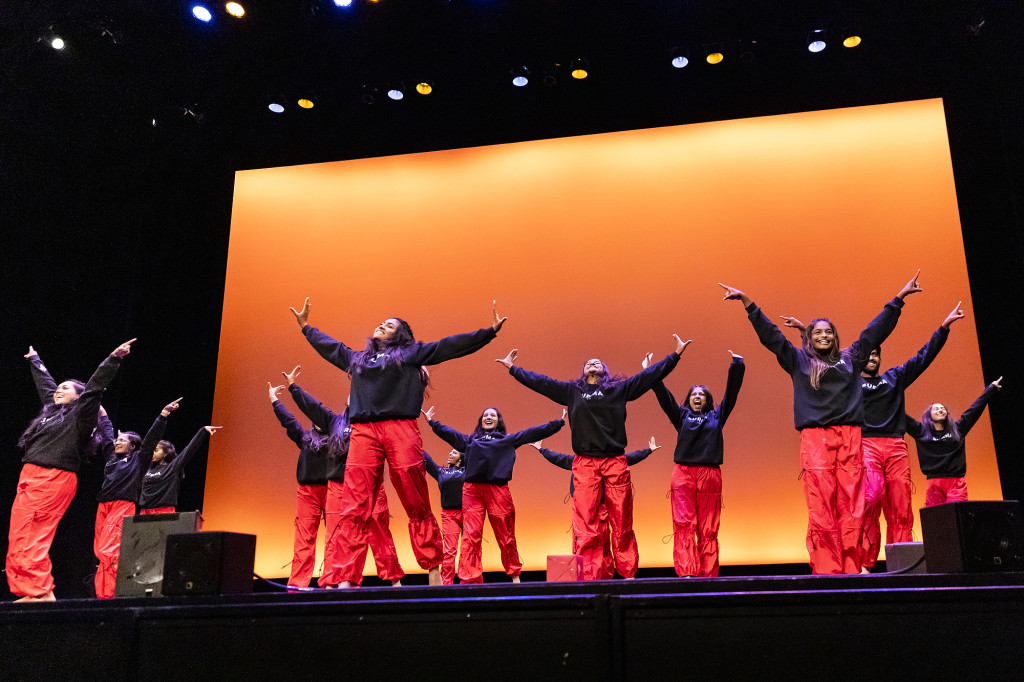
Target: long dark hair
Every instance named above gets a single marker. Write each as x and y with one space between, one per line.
336 441
709 404
950 428
52 411
820 363
480 430
169 450
604 381
390 347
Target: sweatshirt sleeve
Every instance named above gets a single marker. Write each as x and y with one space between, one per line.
876 332
45 385
334 352
153 436
732 389
105 433
637 456
431 465
194 446
558 459
773 339
915 366
971 415
448 348
459 441
89 401
914 427
536 433
289 422
643 381
321 416
668 404
557 391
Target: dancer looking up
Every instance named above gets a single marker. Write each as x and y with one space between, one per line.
828 410
388 380
941 448
54 445
127 458
166 470
697 474
450 479
490 454
596 405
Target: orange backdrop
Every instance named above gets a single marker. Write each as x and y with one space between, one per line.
597 246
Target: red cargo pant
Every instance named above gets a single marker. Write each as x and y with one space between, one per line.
696 516
480 500
833 475
107 543
42 497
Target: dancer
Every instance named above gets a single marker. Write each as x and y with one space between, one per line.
380 542
828 410
388 381
887 485
127 458
941 447
166 470
54 445
490 454
564 461
311 490
697 474
597 418
450 479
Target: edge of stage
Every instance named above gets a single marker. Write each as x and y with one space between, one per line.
964 626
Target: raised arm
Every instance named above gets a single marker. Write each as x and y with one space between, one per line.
971 415
878 329
315 410
195 445
767 333
431 466
287 419
640 383
638 456
732 387
459 441
558 391
45 385
105 436
89 401
537 433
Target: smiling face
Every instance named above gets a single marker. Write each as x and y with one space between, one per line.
385 331
489 419
873 363
593 370
122 445
939 413
65 393
698 399
454 458
822 337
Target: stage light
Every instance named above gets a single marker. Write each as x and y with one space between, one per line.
579 69
57 43
520 76
424 88
343 3
201 13
714 54
305 103
275 107
851 38
679 58
395 94
816 41
234 9
369 95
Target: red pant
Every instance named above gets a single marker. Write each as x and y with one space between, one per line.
399 443
696 516
887 490
480 500
42 498
310 506
379 540
156 510
604 529
107 543
589 474
451 530
942 490
833 474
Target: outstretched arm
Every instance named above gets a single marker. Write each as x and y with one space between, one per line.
89 401
537 433
287 419
45 385
767 333
640 455
878 329
459 441
638 384
732 387
315 410
558 391
971 415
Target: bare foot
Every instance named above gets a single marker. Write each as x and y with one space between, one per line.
434 576
396 583
344 585
515 578
43 597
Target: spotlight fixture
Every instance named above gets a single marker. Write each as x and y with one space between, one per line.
305 103
816 40
748 52
201 13
396 94
551 75
275 107
579 69
424 88
679 57
851 37
234 9
342 3
714 53
520 76
57 43
369 95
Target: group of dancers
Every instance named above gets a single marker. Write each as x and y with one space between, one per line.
850 415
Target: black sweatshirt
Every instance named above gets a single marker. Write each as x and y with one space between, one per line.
884 404
161 482
122 477
565 462
838 400
389 386
332 424
938 454
449 482
597 415
489 457
700 441
311 468
60 443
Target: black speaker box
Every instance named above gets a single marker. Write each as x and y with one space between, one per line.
215 562
140 566
973 537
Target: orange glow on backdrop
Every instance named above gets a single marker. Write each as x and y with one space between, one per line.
597 246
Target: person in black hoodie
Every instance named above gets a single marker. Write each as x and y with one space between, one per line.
450 479
166 470
596 404
54 445
388 378
941 447
697 474
127 458
490 454
828 411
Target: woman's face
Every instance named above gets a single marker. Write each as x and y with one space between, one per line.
65 393
489 419
386 330
122 445
822 337
939 413
698 399
593 369
158 454
454 458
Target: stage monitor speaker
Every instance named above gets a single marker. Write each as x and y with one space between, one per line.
905 557
214 562
140 566
973 537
